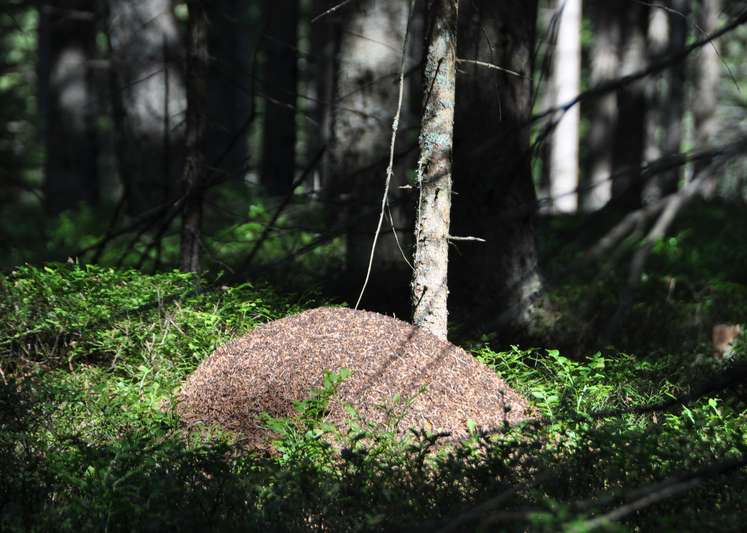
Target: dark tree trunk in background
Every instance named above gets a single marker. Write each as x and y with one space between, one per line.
196 163
706 90
280 42
630 132
365 104
325 45
494 193
145 47
229 89
67 47
429 281
658 45
602 113
674 109
667 36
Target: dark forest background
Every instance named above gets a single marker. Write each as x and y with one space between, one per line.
277 174
294 105
174 173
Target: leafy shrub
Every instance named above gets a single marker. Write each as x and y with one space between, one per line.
67 314
88 440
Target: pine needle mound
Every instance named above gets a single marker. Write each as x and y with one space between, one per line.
281 361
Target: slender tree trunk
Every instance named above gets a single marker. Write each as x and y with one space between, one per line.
280 89
229 89
706 91
567 79
365 105
548 21
196 163
605 64
494 192
630 133
429 284
67 47
145 47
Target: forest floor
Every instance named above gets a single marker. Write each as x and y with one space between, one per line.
641 430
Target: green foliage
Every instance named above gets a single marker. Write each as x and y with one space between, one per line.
302 437
693 278
306 221
68 314
88 452
90 442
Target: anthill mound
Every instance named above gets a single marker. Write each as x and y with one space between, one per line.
281 361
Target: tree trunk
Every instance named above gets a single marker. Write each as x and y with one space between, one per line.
667 33
364 108
196 163
68 107
548 20
706 90
674 109
630 132
145 48
494 193
429 283
605 65
326 38
658 44
280 90
229 89
567 79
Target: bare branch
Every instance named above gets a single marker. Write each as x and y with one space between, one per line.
331 10
654 68
491 66
476 239
390 166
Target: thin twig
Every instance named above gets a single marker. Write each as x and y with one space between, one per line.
390 166
475 239
331 10
491 66
396 238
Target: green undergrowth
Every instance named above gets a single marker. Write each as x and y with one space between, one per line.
693 278
89 441
67 315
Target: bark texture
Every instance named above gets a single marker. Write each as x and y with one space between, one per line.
279 89
145 46
67 47
196 164
494 193
430 283
567 79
